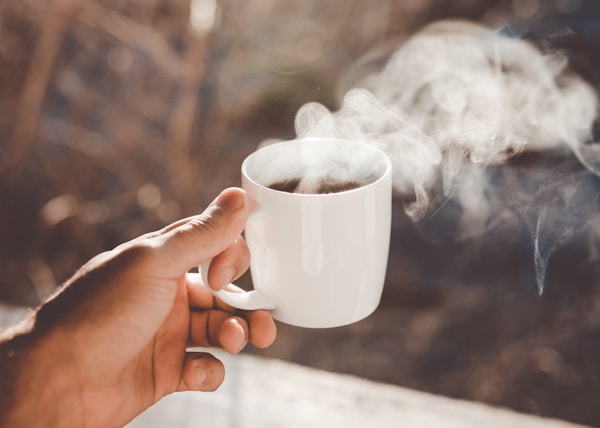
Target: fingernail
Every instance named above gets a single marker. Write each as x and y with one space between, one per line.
243 333
230 200
201 377
227 275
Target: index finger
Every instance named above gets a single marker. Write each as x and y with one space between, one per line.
200 297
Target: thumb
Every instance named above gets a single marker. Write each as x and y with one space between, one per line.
199 238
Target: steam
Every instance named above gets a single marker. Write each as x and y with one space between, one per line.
299 170
454 107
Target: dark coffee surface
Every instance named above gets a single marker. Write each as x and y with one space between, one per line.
327 186
323 187
286 185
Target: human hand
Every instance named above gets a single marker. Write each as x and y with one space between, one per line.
118 330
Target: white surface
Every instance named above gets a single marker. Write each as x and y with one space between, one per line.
11 315
271 393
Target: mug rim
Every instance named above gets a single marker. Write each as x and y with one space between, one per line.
363 144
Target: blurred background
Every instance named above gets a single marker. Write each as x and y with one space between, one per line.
117 117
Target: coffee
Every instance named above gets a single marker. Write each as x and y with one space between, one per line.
323 186
288 186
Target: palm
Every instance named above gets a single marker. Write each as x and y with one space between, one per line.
137 366
167 349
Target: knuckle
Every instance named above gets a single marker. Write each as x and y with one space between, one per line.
139 253
213 218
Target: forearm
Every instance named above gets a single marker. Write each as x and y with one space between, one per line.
35 388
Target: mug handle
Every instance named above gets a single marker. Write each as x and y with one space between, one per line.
248 300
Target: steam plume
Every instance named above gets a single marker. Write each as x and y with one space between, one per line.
455 103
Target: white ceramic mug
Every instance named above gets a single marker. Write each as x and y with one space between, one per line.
317 260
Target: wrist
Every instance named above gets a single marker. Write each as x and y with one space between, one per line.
37 387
